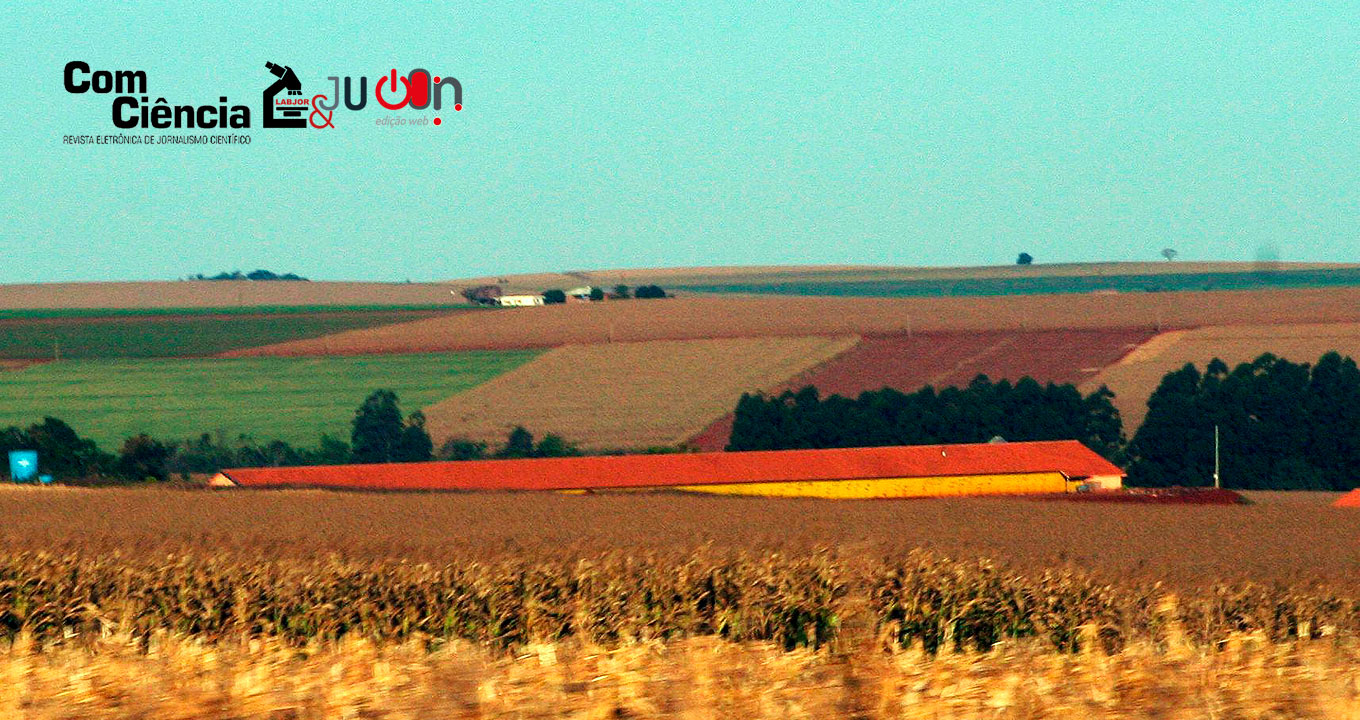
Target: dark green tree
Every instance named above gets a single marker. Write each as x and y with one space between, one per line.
1024 259
143 458
377 428
596 294
414 445
461 449
621 292
554 297
519 444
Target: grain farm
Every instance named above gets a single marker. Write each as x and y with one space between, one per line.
154 602
627 395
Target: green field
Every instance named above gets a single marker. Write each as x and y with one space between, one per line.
39 313
1017 283
45 334
292 399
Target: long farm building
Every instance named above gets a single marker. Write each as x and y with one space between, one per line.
880 472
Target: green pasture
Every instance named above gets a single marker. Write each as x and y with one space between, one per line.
291 399
180 335
1039 284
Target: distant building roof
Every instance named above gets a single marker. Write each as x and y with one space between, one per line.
639 471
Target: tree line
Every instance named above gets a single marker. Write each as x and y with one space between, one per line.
979 412
1281 425
380 433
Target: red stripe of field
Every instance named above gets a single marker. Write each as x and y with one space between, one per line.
910 362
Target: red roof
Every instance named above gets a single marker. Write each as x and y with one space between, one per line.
1349 500
631 471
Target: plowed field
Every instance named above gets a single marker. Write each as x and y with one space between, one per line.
710 317
627 395
908 363
1136 376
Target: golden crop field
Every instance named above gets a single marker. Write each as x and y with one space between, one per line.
149 602
627 395
182 679
1137 375
695 317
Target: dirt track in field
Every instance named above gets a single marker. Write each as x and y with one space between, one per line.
908 363
200 293
626 395
1136 376
713 317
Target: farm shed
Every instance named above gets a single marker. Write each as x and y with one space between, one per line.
519 300
883 472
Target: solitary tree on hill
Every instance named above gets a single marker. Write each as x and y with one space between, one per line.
1024 259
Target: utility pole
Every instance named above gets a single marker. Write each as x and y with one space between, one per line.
1216 482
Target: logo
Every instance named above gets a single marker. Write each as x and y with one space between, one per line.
289 108
283 103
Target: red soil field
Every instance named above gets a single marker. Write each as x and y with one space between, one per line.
691 318
1154 496
908 363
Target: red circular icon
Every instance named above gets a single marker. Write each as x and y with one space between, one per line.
436 78
437 121
458 106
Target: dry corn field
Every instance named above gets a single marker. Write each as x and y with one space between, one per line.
690 318
627 395
181 603
1135 376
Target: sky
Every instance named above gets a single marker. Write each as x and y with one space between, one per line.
615 135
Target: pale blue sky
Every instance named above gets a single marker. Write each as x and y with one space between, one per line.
623 135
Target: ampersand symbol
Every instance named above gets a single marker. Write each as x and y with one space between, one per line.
325 116
395 77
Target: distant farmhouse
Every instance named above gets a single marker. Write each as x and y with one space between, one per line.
519 300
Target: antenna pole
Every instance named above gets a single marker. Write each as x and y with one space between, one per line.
1216 483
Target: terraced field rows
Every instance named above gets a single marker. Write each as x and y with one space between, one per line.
627 395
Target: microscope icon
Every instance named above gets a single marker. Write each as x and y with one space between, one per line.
291 111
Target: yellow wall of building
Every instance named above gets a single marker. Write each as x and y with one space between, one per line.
1026 483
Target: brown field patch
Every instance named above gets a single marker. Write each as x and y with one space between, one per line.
1286 538
196 294
17 364
627 395
1135 378
908 363
719 317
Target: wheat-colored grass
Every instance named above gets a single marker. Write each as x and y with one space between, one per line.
627 395
1136 376
178 678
